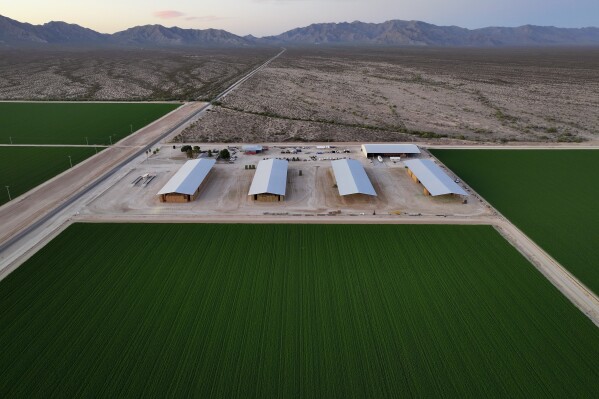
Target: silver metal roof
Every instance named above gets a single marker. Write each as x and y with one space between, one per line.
252 147
189 177
351 177
433 177
270 177
390 149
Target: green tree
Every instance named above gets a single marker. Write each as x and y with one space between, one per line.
224 154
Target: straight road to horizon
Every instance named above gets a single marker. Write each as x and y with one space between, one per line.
28 212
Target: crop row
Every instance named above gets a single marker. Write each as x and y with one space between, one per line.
346 311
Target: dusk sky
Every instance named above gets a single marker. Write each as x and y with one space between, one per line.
268 17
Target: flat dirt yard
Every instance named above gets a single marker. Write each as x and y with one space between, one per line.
353 94
225 190
263 311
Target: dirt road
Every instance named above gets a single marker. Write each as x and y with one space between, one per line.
569 285
25 210
563 280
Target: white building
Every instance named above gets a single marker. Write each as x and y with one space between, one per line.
270 180
351 178
184 186
433 178
391 150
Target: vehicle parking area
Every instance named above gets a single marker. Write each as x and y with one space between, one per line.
311 187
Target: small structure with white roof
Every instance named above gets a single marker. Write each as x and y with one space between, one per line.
433 178
184 186
252 149
390 150
351 178
270 181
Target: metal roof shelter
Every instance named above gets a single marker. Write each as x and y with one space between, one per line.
189 177
433 178
252 148
351 177
390 149
270 177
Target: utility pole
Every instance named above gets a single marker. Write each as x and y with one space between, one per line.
70 161
8 191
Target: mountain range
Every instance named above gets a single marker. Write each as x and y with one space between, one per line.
391 33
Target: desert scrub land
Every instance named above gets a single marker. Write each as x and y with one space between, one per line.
128 74
23 168
75 123
263 311
357 94
550 194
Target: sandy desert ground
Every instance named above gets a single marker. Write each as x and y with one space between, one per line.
344 94
129 75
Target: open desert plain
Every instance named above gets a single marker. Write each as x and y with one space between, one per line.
407 94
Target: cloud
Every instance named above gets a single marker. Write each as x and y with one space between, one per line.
173 14
168 14
205 18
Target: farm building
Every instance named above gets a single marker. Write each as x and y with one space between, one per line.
184 186
433 178
351 178
270 181
252 149
390 150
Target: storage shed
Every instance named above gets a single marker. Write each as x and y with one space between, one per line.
390 150
433 178
351 178
184 186
252 149
270 181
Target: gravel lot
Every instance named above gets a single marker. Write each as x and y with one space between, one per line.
225 191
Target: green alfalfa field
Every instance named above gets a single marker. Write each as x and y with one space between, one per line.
308 311
23 168
551 195
75 123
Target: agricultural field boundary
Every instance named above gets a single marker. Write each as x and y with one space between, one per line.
77 123
23 213
46 210
564 281
577 292
56 145
558 275
82 164
455 306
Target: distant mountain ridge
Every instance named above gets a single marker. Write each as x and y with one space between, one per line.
162 36
14 33
416 33
391 33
